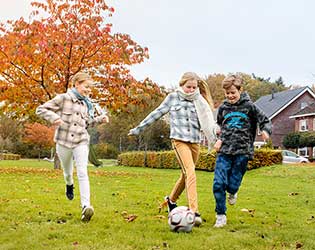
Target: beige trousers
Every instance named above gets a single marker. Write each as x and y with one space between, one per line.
187 155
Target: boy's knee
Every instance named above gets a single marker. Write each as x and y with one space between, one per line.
218 186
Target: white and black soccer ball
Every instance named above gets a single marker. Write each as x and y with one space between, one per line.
181 219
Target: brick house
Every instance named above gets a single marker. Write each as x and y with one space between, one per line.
283 109
304 121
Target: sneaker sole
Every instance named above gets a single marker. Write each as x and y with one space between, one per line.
69 197
87 214
198 222
219 226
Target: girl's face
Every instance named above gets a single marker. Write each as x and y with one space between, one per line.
232 94
190 86
84 88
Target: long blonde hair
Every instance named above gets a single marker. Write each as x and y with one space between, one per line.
202 85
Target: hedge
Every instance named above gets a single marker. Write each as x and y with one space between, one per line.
8 156
167 159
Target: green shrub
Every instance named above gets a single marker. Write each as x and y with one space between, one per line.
132 159
8 156
206 161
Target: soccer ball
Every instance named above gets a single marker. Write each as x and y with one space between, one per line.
181 219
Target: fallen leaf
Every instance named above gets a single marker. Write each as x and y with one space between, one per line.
160 217
293 194
131 217
165 244
298 245
124 213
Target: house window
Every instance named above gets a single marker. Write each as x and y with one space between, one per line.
303 152
303 125
303 105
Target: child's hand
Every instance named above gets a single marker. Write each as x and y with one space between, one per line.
58 122
105 119
217 145
265 135
132 132
218 130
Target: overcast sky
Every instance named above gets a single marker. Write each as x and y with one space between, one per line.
270 38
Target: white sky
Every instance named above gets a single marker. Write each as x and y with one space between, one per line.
270 38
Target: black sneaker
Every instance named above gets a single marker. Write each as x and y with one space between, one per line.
87 213
198 220
69 192
170 205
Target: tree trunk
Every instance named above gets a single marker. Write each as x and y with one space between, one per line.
57 164
39 154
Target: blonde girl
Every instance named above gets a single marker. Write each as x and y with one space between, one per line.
190 113
72 112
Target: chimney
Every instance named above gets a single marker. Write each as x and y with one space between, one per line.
272 93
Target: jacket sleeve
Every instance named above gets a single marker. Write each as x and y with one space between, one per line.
48 109
153 116
219 123
263 122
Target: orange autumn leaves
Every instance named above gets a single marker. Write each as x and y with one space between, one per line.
38 57
39 134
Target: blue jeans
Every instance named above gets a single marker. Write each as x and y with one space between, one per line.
228 175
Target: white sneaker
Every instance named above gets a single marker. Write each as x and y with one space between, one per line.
232 198
87 213
221 220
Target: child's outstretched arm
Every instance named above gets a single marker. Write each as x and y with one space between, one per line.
153 116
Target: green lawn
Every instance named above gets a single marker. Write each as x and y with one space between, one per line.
35 214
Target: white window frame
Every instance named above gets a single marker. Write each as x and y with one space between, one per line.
303 105
301 152
303 125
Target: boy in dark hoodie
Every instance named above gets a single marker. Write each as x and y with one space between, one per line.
238 118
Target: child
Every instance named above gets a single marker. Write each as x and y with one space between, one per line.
72 112
190 113
238 118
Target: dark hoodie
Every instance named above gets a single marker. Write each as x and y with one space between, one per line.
238 123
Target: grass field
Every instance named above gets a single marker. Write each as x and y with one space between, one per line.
275 210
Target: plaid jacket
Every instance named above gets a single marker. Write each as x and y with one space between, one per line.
184 121
73 113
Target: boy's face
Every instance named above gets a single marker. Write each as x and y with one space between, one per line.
84 88
232 94
190 86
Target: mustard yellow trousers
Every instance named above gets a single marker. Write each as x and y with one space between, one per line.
187 155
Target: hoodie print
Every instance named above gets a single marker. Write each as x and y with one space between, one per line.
235 120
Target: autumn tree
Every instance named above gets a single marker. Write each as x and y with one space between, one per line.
259 86
39 135
62 37
255 86
155 137
215 85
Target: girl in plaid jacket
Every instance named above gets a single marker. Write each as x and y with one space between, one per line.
72 112
190 113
